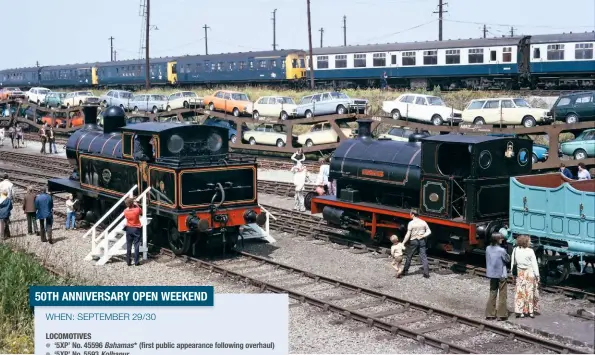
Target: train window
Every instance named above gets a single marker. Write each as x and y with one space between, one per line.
341 61
476 55
507 55
282 64
583 51
359 60
379 59
430 57
448 166
242 65
262 64
273 63
251 64
408 58
393 59
555 52
493 56
322 61
453 56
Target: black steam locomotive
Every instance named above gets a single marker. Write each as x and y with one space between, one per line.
458 183
197 194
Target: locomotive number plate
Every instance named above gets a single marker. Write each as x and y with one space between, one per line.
375 173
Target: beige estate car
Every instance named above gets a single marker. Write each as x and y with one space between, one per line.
323 133
512 111
274 106
77 98
183 99
267 133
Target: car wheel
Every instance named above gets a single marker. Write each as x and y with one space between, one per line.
580 154
252 141
309 143
122 107
280 143
104 103
168 108
186 104
341 110
38 103
135 110
479 120
396 114
255 115
235 112
529 121
534 159
284 115
211 107
155 110
233 138
308 114
81 103
437 120
572 119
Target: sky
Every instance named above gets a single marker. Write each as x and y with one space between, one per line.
77 31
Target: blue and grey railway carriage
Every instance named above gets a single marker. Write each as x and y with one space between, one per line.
199 194
559 216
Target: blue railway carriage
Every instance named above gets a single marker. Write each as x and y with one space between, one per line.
563 60
258 67
72 75
22 77
132 72
559 216
477 63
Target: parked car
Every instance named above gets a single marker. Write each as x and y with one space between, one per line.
424 108
581 147
269 134
54 99
236 103
275 106
513 111
129 119
183 99
61 119
230 125
573 108
328 103
540 151
77 98
11 93
399 134
37 95
116 98
323 133
148 103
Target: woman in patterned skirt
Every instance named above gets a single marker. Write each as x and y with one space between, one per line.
527 279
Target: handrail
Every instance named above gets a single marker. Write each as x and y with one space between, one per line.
110 211
267 212
119 219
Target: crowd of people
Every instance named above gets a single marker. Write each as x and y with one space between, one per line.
15 133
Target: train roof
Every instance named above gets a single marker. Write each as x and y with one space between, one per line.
69 66
136 62
153 127
466 139
228 56
564 37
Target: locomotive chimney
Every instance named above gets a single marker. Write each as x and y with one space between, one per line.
364 129
90 113
113 118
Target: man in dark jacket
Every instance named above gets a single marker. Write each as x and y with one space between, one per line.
565 171
29 209
44 206
5 209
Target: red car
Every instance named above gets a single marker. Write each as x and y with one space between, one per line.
11 93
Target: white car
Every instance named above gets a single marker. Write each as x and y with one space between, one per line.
267 133
399 134
513 111
77 98
37 95
183 99
323 133
425 108
275 106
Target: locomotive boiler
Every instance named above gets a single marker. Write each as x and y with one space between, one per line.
198 194
458 183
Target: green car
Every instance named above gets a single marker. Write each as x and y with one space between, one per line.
581 147
54 99
575 107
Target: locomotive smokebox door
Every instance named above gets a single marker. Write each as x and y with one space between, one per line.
436 197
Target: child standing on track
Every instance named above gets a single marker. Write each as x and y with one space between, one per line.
396 252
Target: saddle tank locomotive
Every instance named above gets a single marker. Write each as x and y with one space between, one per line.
198 197
458 183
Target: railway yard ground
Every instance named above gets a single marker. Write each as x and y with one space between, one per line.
313 330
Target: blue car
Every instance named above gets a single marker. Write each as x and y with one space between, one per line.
540 151
230 125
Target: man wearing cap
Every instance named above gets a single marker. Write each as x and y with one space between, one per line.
418 231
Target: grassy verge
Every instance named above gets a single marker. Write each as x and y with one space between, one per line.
18 271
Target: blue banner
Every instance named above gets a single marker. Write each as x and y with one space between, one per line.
118 296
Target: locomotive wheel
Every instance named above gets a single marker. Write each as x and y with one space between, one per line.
308 200
178 242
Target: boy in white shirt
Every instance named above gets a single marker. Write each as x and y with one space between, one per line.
396 252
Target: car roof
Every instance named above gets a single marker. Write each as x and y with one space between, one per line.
578 93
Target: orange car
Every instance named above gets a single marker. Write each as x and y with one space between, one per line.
77 120
236 103
11 93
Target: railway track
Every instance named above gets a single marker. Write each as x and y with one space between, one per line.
450 332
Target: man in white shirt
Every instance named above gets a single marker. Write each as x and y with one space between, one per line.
8 186
583 173
299 180
417 230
